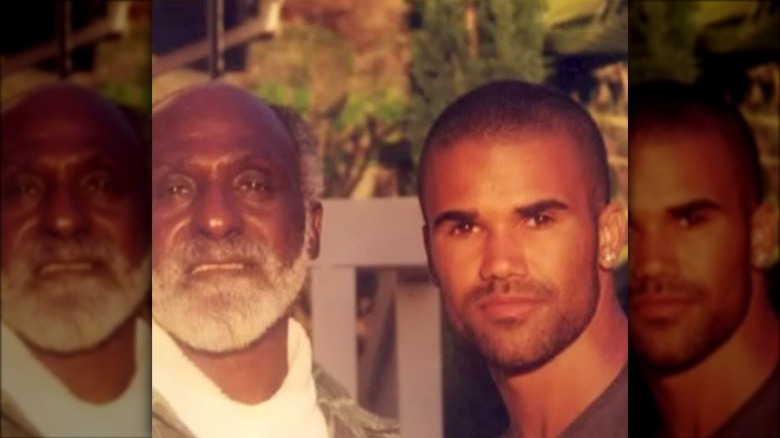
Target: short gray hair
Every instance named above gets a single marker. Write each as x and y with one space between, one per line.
308 153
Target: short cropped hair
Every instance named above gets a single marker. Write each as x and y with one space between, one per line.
660 105
511 107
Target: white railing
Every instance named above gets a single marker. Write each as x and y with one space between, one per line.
379 233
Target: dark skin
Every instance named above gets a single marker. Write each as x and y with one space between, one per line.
224 168
66 176
514 208
695 223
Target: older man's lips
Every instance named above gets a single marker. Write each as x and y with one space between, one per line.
66 267
218 267
508 306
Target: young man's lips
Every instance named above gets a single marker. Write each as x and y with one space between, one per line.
502 306
656 308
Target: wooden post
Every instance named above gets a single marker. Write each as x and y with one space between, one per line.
215 22
62 16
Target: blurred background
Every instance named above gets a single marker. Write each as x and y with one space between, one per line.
98 44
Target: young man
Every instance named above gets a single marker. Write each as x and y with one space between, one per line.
75 268
703 234
236 219
521 239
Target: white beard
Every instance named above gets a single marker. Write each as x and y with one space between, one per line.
73 312
231 312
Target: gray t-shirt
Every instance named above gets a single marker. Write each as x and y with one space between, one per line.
758 417
606 417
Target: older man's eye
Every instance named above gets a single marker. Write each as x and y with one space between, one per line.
24 187
175 187
254 181
101 182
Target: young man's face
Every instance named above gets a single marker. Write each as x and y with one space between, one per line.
512 242
228 221
75 237
689 230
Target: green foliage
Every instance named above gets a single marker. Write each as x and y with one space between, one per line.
509 43
663 41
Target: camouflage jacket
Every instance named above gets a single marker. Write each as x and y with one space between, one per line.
343 416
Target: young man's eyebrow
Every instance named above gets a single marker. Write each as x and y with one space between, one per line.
692 207
539 207
454 216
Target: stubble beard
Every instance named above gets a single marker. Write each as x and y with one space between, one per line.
519 346
220 315
77 311
667 347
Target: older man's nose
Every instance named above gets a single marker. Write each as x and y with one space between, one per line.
64 215
217 216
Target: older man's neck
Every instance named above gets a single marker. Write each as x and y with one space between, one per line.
98 375
252 375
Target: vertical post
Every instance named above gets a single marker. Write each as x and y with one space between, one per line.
62 16
333 323
215 23
418 321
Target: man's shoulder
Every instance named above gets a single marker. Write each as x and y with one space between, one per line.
12 421
343 416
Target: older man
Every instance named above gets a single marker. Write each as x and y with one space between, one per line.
75 268
236 219
521 239
703 234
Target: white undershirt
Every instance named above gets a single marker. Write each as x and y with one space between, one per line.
207 412
55 412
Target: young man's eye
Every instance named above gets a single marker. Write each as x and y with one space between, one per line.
539 220
691 219
463 228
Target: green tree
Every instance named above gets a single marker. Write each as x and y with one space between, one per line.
461 44
662 37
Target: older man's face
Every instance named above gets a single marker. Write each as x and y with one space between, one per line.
75 238
229 236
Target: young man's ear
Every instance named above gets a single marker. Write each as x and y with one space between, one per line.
314 228
763 235
429 256
612 234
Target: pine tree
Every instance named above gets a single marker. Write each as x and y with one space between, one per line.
662 38
462 44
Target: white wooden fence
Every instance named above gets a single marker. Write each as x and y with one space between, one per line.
379 233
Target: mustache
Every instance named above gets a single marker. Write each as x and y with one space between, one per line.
51 250
663 286
189 253
529 288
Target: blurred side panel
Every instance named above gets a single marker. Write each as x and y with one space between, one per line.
76 100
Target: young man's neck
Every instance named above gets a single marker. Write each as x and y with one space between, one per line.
698 401
252 375
98 375
544 402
